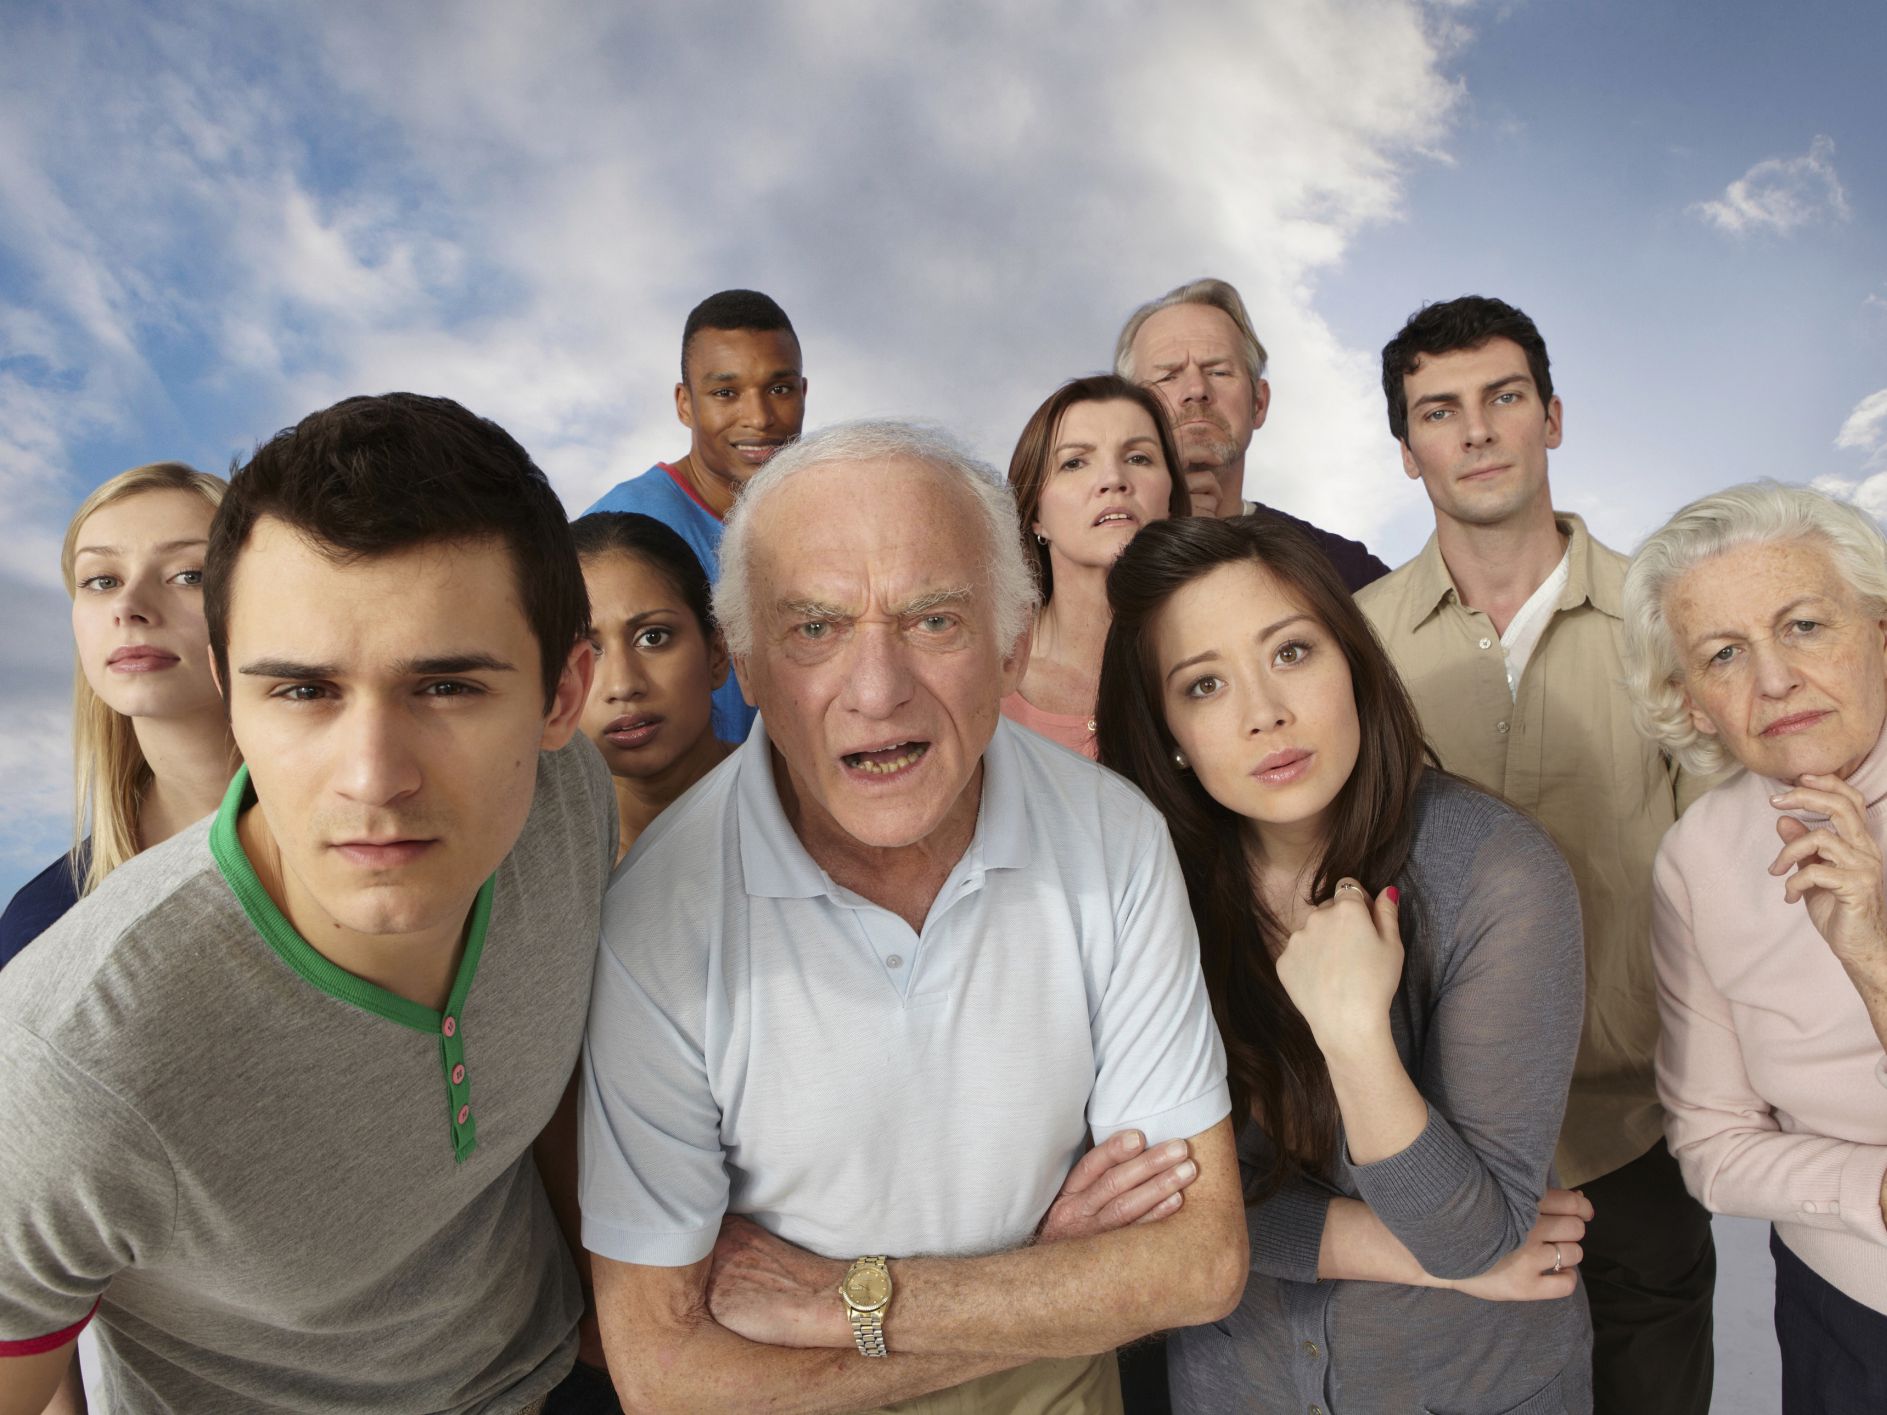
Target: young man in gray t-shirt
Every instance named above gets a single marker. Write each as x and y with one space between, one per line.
268 1097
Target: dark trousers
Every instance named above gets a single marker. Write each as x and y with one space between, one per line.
1650 1271
1143 1378
585 1391
1834 1349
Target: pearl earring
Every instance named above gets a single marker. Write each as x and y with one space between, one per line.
1179 760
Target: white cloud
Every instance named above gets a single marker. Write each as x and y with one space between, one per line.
1866 427
1781 194
958 204
1865 432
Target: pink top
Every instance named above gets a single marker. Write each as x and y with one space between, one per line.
1774 1084
1075 732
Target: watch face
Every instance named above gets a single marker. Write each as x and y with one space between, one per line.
868 1288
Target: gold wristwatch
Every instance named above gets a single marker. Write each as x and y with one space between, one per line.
866 1293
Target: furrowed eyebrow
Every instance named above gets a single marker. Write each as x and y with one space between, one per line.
455 663
935 599
1061 447
412 668
812 609
287 668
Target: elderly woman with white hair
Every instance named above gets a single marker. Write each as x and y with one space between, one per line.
1756 636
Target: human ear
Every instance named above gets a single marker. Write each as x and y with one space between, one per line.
573 690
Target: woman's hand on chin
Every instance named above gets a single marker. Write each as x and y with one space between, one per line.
1342 967
1834 870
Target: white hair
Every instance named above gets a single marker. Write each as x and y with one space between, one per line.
866 445
1756 513
1220 295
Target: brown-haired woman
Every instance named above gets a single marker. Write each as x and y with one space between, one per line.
1395 962
1095 463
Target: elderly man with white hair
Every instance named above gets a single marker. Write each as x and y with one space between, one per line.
1756 635
869 991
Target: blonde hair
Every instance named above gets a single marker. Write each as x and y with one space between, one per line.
1755 513
109 773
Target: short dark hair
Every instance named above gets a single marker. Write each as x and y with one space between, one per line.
733 309
1465 323
372 475
1273 1061
1028 464
657 546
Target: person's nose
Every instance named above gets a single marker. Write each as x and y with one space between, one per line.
757 410
379 761
1110 476
1775 670
624 675
878 678
136 602
1192 386
1264 708
1477 428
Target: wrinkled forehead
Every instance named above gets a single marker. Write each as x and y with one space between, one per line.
1746 588
1171 334
897 528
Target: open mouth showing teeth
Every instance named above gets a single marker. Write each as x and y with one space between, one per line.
1111 518
887 761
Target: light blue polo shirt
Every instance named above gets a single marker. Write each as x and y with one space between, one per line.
763 1041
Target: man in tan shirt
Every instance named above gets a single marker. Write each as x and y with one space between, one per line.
1506 629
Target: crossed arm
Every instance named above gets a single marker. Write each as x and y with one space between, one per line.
759 1324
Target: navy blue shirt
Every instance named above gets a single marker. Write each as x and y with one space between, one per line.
42 901
1352 559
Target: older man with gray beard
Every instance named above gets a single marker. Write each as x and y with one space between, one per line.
869 991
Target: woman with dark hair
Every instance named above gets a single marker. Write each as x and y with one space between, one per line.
1095 463
659 660
1395 962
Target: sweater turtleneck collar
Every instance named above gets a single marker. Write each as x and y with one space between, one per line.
1869 778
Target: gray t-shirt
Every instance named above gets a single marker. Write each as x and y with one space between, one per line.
286 1188
1487 1021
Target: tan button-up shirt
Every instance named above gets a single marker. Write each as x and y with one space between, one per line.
1563 748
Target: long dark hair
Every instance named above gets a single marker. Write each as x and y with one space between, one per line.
1028 464
1274 1062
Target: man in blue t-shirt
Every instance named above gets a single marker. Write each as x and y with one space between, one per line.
742 398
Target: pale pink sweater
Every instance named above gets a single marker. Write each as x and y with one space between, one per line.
1774 1084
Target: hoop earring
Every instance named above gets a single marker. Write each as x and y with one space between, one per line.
1040 539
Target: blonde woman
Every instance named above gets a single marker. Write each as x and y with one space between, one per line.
151 744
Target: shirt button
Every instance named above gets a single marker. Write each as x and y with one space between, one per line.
1310 1349
458 1074
1501 728
450 1026
1487 643
465 1114
896 960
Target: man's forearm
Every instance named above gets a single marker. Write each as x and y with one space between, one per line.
1085 1295
672 1357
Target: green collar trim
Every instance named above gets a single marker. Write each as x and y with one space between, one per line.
336 981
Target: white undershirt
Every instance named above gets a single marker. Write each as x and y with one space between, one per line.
1524 630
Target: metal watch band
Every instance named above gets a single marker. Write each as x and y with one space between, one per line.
868 1327
868 1330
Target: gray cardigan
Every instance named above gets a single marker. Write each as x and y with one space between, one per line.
1486 1020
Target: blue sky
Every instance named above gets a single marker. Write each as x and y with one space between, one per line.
215 218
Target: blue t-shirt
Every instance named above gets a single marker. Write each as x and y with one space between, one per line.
659 493
43 900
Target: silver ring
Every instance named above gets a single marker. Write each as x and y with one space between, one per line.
1349 884
1559 1258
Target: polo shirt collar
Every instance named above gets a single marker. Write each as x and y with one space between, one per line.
1589 576
776 865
